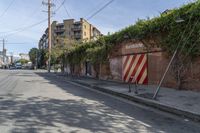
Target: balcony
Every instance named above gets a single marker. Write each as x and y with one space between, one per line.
77 36
77 28
59 30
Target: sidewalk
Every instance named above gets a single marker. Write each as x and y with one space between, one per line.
183 103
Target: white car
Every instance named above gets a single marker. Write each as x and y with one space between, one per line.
18 66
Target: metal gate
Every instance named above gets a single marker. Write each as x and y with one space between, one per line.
135 68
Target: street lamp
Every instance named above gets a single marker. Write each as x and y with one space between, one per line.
179 20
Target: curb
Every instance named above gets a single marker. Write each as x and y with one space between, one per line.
147 102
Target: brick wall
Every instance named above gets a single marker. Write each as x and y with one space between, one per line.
157 63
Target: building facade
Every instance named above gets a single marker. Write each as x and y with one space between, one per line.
4 59
24 56
71 30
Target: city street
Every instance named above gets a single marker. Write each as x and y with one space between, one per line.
34 102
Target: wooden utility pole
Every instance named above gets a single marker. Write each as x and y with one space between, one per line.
49 5
49 35
3 51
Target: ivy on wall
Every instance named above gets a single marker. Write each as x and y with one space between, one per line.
162 31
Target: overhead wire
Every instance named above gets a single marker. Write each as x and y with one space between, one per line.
66 10
21 42
4 12
94 9
25 28
30 26
63 2
99 10
63 5
34 12
31 15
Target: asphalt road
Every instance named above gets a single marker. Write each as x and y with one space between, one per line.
38 102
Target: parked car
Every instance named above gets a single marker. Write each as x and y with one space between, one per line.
12 67
18 66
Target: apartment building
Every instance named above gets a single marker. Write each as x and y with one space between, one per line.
71 30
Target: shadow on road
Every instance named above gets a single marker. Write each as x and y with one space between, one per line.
101 114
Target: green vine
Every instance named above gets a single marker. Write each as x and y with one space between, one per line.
164 31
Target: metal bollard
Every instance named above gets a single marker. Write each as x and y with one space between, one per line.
129 87
129 83
136 89
132 78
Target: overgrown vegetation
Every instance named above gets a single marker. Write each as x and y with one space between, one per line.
162 31
22 61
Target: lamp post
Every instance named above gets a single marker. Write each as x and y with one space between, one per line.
179 20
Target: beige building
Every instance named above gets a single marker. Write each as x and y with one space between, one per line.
24 56
70 29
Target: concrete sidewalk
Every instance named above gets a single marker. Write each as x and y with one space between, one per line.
183 103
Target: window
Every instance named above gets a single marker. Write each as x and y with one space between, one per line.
85 26
84 33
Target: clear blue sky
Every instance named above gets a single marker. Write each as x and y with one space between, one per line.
116 16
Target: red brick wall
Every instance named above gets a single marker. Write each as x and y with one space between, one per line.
157 63
116 68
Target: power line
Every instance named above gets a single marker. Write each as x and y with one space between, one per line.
28 19
34 12
49 4
25 28
9 33
21 42
63 5
60 6
7 8
99 10
18 29
94 8
66 11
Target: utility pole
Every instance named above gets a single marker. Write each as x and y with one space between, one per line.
49 41
49 4
179 20
3 51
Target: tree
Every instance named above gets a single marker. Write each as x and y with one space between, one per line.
42 58
60 50
22 61
33 55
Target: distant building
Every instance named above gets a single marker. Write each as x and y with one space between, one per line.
4 59
24 56
70 29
